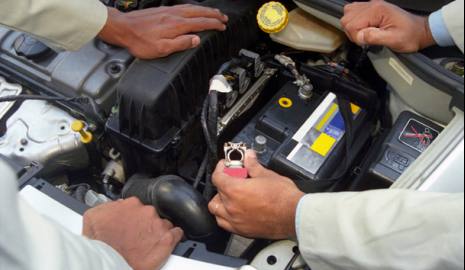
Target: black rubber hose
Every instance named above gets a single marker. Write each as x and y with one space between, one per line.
180 203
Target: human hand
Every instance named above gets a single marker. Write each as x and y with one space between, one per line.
159 32
263 206
381 23
135 231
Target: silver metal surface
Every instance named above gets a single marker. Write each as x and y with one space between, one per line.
247 100
238 149
41 132
303 82
115 170
6 90
260 144
92 71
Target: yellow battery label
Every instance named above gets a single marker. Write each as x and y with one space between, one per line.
332 110
323 144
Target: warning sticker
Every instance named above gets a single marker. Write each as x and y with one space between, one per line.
320 135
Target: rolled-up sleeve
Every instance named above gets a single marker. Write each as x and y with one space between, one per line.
378 230
66 24
453 17
439 30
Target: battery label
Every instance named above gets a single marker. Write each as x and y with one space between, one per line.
323 144
319 135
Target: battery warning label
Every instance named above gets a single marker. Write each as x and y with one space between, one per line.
319 135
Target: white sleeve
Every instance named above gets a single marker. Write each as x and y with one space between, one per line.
29 241
379 230
66 24
454 19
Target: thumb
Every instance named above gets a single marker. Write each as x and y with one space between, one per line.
253 166
374 36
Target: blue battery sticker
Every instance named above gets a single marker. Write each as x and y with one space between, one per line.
336 128
338 122
334 132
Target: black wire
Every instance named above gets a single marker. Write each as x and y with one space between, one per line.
344 107
202 171
213 123
292 261
34 97
78 100
204 122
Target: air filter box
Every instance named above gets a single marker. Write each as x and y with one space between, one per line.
160 100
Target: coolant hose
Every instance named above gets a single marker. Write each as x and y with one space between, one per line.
181 204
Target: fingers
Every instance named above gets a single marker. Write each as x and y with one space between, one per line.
186 11
374 36
160 254
359 16
194 25
221 180
217 208
193 11
253 166
181 43
226 225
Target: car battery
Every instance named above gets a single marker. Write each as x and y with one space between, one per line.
305 140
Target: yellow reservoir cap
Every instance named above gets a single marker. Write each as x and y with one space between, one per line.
79 127
273 17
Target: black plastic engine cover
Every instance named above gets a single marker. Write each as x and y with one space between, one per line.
160 100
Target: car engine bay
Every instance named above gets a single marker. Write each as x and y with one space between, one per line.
98 125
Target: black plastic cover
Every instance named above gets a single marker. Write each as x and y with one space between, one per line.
395 157
159 99
197 251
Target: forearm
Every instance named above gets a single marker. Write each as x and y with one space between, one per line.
64 24
381 229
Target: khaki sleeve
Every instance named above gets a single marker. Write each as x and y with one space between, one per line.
454 18
66 24
379 230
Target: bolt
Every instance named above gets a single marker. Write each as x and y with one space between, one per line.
260 144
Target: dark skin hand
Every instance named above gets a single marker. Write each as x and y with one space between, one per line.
380 23
159 32
263 206
135 231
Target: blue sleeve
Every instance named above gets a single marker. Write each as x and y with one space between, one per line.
439 30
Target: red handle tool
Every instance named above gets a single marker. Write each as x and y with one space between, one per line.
235 156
